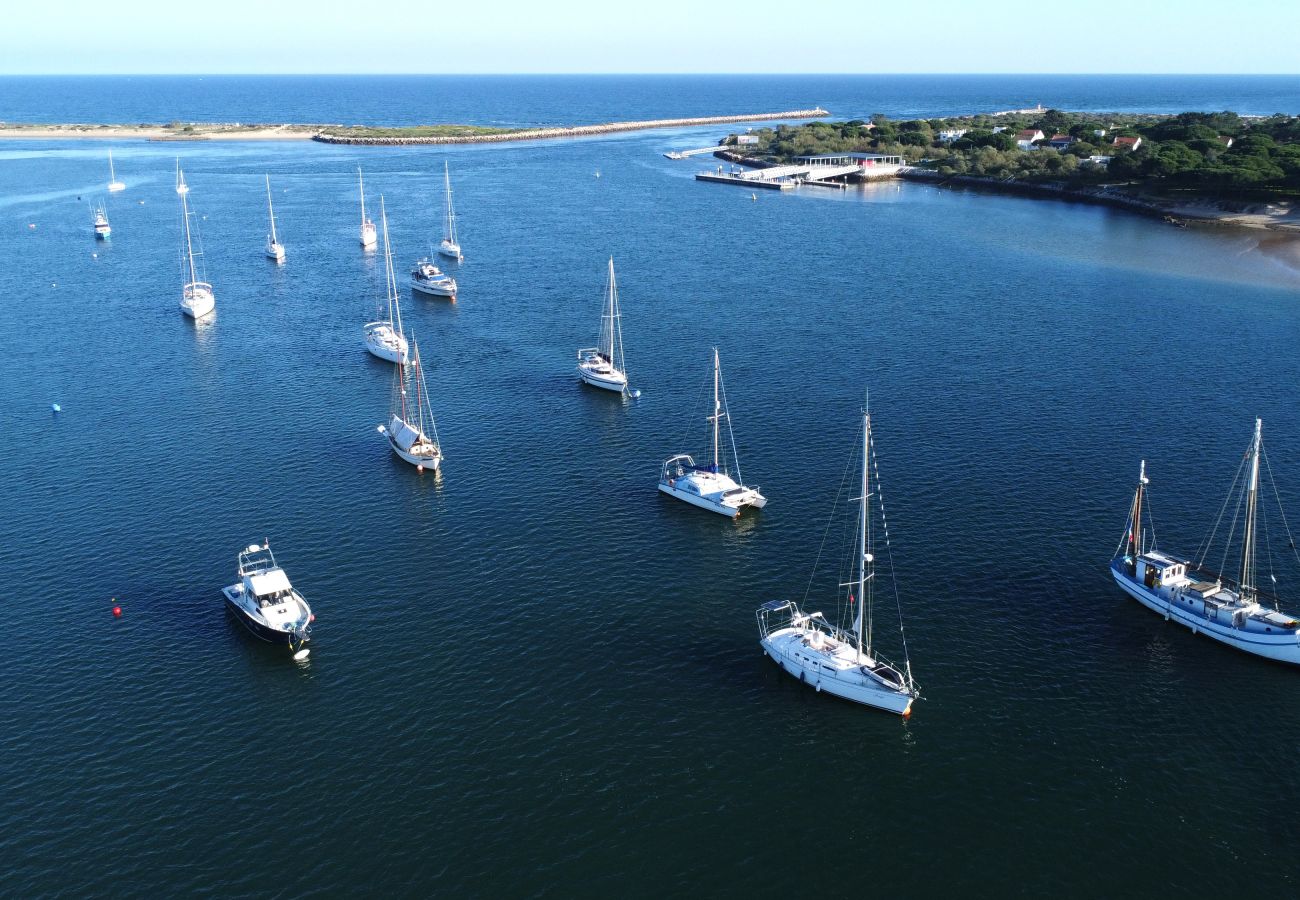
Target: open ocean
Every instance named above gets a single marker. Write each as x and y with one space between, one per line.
532 674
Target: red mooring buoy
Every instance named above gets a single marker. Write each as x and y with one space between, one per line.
117 611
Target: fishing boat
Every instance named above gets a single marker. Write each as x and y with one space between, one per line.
181 186
197 297
429 279
1230 608
845 661
274 249
266 603
113 184
603 366
411 431
384 338
368 236
102 228
450 246
711 487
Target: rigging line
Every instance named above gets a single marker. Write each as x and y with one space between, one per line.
1268 554
1203 549
735 457
826 531
889 554
1146 504
1227 544
1269 469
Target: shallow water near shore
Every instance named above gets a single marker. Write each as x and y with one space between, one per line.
532 674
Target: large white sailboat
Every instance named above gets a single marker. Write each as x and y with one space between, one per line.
274 249
1232 609
368 236
603 366
384 338
844 661
450 246
411 431
113 184
711 487
197 297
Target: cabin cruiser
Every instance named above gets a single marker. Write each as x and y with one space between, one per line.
429 279
266 603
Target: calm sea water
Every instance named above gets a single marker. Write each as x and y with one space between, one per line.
533 675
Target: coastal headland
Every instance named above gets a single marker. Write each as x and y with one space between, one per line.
370 135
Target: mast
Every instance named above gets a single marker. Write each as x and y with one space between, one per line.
1246 582
611 315
390 286
451 215
112 176
362 182
862 539
270 209
189 245
717 410
1135 516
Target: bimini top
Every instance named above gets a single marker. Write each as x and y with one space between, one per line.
269 583
1156 558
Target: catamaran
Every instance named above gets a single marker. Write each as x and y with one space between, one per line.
603 366
266 603
368 236
102 228
113 184
274 249
411 431
1231 609
197 298
450 246
711 487
844 662
384 338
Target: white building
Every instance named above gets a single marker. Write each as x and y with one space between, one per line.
951 134
1025 139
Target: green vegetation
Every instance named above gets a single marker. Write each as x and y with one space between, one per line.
412 131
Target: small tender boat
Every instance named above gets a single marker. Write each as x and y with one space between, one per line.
450 246
113 184
274 249
197 297
102 228
411 431
368 236
603 366
841 661
384 338
710 487
429 279
266 603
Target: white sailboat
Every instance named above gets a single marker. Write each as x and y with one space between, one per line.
113 184
450 246
710 487
274 249
603 366
384 338
197 297
844 662
1232 609
102 228
181 186
368 235
411 431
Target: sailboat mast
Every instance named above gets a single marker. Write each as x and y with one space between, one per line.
189 245
112 176
270 209
863 623
1135 518
362 182
390 278
609 319
1246 583
717 409
451 215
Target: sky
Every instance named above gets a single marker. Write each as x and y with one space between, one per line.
671 36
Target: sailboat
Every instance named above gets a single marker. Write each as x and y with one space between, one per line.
102 228
368 236
274 249
1231 609
710 487
450 246
181 186
844 662
197 298
113 184
384 338
411 431
603 366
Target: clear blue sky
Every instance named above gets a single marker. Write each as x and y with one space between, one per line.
474 36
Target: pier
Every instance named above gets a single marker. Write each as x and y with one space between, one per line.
818 170
699 151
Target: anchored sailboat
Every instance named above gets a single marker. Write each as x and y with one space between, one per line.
710 487
450 246
1232 609
384 338
368 236
844 662
274 249
113 184
411 431
197 297
603 366
181 186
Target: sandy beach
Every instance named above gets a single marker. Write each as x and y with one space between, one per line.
161 132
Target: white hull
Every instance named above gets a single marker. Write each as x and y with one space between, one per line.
616 382
707 502
115 186
1283 647
384 350
275 252
198 306
451 251
368 240
432 461
850 684
433 290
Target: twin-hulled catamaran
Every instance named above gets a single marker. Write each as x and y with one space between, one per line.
603 366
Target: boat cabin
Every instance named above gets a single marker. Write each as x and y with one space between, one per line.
1155 569
268 588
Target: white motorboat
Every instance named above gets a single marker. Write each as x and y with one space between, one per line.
711 487
603 366
113 184
368 236
450 246
429 279
411 431
274 249
266 603
197 297
844 661
1231 609
384 337
102 228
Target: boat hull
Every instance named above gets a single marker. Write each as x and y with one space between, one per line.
608 383
258 629
1282 647
429 462
706 502
433 290
199 308
451 251
860 689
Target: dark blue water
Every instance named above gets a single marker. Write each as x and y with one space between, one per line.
535 675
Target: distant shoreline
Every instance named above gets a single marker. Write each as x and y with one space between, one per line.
367 135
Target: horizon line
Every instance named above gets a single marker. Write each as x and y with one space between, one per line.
642 74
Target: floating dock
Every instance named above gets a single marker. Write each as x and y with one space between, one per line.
745 181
